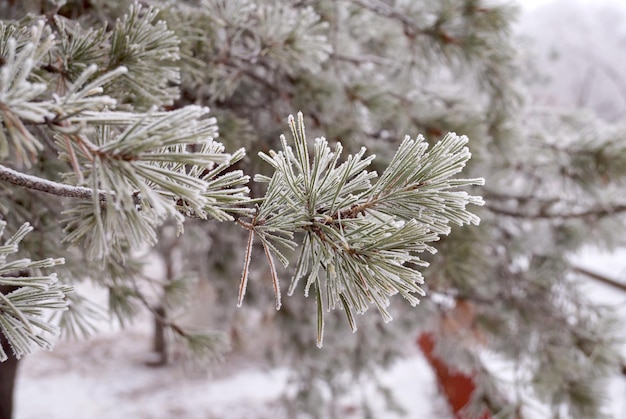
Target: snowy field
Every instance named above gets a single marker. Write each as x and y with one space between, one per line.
106 378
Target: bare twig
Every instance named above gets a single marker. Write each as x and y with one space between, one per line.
605 280
411 30
246 267
44 185
270 260
600 278
604 211
362 59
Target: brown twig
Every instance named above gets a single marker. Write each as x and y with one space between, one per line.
246 266
44 185
600 278
591 212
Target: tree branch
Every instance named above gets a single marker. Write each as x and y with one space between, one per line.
591 212
600 278
605 280
410 28
362 59
44 185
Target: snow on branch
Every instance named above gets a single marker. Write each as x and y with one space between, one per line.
31 297
44 185
365 237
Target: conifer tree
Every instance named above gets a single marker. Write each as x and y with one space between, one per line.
125 124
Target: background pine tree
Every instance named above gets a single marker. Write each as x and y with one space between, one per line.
363 72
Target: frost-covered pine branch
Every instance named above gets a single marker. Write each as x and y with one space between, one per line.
81 94
24 310
365 237
132 170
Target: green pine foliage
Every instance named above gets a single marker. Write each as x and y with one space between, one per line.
22 321
125 121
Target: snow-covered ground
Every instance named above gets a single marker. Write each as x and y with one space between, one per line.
106 378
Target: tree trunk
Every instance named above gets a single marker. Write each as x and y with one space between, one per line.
159 342
8 371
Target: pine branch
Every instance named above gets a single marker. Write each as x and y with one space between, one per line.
22 309
385 10
365 237
44 185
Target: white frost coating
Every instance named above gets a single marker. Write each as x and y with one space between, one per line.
45 185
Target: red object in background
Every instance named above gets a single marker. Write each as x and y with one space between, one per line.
457 387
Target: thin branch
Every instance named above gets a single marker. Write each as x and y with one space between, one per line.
410 28
591 212
155 312
544 204
361 59
61 189
600 278
605 280
270 260
504 196
246 266
385 10
44 185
